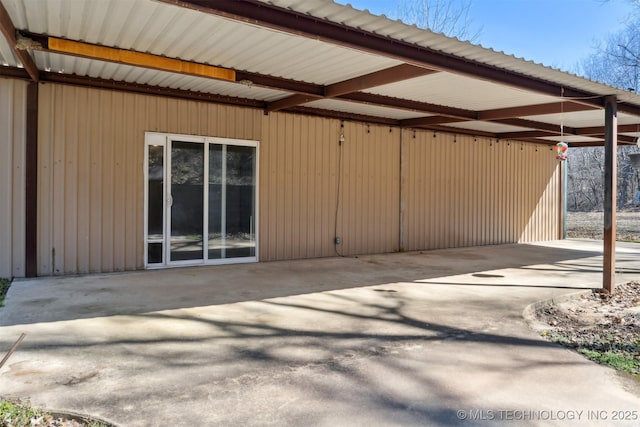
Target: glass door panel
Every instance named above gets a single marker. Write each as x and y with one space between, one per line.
155 204
216 241
187 201
239 204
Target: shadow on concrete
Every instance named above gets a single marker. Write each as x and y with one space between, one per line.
52 299
317 359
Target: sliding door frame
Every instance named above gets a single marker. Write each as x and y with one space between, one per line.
165 140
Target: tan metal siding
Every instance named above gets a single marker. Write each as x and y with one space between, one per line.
90 177
467 191
458 190
368 218
298 181
301 170
13 97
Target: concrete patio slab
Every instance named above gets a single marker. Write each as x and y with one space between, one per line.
433 338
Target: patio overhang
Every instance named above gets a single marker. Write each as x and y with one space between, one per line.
313 57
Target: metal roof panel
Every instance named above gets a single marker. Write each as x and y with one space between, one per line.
411 34
177 32
7 58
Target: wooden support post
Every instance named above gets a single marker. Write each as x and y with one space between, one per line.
31 187
610 192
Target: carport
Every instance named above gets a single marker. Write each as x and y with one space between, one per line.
302 83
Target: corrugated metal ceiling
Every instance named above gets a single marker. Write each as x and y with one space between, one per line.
460 91
176 32
7 58
410 33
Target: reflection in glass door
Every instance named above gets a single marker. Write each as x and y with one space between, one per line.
186 199
155 204
232 201
199 187
239 202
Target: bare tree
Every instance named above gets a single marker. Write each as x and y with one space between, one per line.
449 17
615 61
585 190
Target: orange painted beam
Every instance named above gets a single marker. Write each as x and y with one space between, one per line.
147 60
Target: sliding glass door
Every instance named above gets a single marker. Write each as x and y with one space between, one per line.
197 187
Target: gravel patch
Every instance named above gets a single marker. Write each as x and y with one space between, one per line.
605 328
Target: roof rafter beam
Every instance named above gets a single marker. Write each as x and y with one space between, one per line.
621 138
431 120
513 112
290 101
534 110
379 78
356 84
524 123
9 31
525 134
407 104
458 131
599 130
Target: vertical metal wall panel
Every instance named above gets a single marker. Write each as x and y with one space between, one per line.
298 181
90 181
308 180
13 94
469 191
369 215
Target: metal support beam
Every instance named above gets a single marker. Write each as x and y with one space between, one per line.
290 101
610 192
599 130
356 84
7 28
140 59
533 110
31 187
390 75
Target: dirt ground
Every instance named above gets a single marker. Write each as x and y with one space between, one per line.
589 225
605 328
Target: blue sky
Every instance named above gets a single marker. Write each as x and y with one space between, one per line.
558 33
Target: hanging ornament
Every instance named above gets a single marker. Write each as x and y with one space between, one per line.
561 151
562 147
